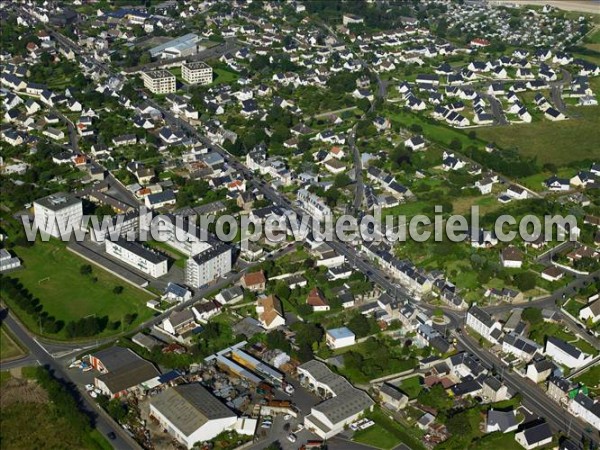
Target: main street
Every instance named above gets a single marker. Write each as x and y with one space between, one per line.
533 397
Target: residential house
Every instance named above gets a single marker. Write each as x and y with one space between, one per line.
339 338
565 353
317 300
270 312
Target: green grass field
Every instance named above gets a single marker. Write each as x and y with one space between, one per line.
179 258
411 386
224 76
496 441
9 348
387 433
52 274
552 142
591 379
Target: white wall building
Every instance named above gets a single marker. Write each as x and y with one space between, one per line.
206 267
587 409
566 354
197 72
159 81
339 338
191 414
346 404
58 214
314 206
483 324
138 256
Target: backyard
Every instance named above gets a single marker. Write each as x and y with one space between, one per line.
387 433
53 274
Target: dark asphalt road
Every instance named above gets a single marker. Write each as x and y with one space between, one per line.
100 419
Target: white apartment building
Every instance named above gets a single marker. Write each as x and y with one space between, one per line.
138 256
314 206
181 234
8 261
206 267
57 214
197 72
565 354
159 81
483 324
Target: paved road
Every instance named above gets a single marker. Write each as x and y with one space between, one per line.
358 170
100 419
556 88
497 111
533 397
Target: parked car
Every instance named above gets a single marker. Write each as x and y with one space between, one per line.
291 437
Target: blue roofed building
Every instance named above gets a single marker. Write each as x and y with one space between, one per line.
339 338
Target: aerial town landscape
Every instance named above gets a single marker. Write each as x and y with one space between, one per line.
150 150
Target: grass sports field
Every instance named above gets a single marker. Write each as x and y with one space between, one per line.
52 274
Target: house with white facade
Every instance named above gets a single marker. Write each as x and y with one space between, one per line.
482 323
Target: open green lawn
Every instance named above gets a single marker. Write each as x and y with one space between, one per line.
52 274
387 433
541 331
496 441
411 386
9 348
552 142
591 379
178 257
224 76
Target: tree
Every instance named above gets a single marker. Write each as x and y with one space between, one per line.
118 290
277 339
436 397
341 180
282 290
145 58
525 281
359 325
532 315
85 269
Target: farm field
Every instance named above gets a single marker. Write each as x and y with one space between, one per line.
552 142
52 274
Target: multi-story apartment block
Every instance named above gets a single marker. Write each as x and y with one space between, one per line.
181 234
138 256
197 72
209 265
159 81
58 214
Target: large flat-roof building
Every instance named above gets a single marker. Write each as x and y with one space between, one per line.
196 72
159 81
138 256
58 214
191 414
185 45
